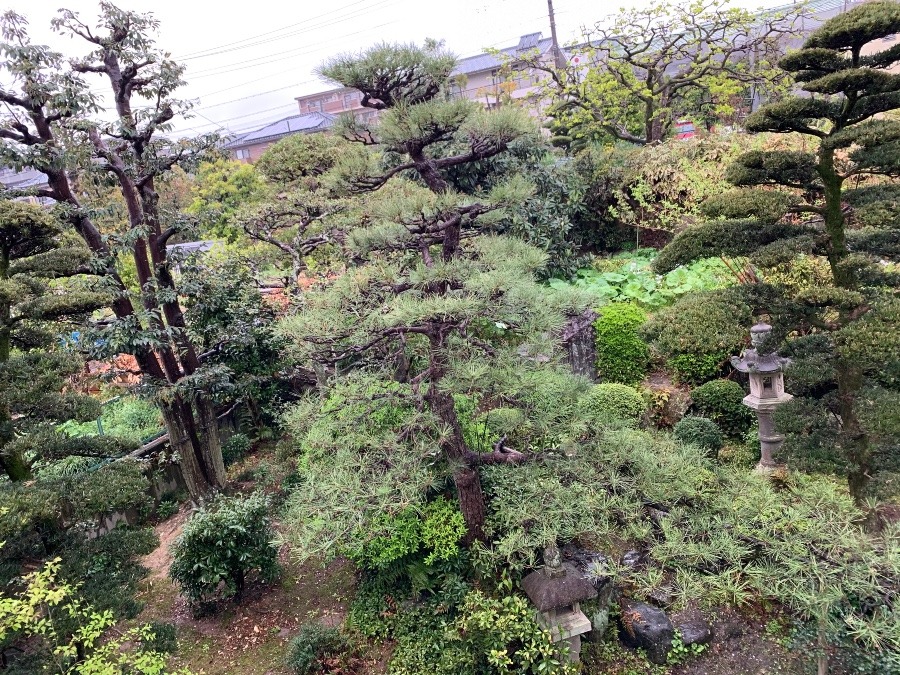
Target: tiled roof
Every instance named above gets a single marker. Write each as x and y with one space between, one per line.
306 123
20 180
480 62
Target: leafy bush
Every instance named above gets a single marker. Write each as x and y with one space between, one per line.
435 529
697 335
313 643
699 431
608 403
633 279
106 568
622 356
235 448
166 509
222 544
162 638
721 401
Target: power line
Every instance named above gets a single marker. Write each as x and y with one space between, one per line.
210 51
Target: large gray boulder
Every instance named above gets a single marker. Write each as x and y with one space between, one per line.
648 627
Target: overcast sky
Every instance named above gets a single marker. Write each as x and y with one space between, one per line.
247 61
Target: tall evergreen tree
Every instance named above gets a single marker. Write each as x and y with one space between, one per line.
847 358
48 127
433 305
38 291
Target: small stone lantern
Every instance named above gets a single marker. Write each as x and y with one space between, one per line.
766 372
557 591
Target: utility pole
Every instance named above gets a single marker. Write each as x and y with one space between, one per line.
558 57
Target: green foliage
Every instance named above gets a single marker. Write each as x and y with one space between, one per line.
699 333
106 568
611 403
433 531
699 431
639 82
844 106
300 157
312 643
163 638
221 187
720 401
221 544
392 74
235 448
622 356
166 509
70 637
729 536
634 280
126 417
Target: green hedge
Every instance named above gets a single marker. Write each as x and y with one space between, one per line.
622 355
609 403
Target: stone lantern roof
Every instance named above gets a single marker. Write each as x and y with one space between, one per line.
751 361
551 591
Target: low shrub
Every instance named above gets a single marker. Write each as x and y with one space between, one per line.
609 403
699 431
313 643
162 638
235 449
721 401
222 544
106 568
166 509
696 335
434 530
622 356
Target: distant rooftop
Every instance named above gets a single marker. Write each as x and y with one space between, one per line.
480 62
306 123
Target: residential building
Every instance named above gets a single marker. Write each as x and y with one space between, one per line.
335 102
480 77
250 146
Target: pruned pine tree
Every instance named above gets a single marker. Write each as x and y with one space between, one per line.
48 126
633 76
434 305
831 202
43 291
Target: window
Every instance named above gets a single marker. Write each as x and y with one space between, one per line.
348 101
242 153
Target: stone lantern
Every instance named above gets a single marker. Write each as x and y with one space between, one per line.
557 591
766 372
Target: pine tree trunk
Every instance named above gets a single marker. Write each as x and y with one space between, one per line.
855 442
465 477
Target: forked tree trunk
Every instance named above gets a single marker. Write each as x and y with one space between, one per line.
210 442
180 441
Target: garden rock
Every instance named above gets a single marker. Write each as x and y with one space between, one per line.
647 627
693 628
631 559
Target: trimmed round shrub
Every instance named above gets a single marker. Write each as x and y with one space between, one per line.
221 545
622 356
699 431
235 448
611 402
313 643
698 333
720 401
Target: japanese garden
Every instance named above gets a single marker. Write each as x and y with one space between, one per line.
598 372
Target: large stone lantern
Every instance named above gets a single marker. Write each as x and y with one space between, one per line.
557 591
766 372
